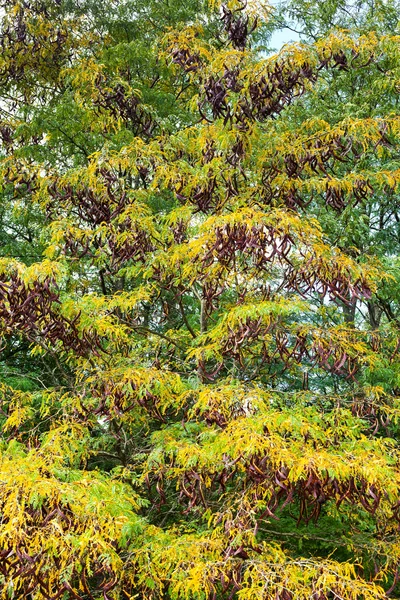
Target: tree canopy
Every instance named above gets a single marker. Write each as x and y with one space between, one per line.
199 300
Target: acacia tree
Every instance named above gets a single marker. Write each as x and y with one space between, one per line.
199 301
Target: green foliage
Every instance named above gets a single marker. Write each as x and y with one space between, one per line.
199 301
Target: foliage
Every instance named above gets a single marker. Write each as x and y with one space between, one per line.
199 301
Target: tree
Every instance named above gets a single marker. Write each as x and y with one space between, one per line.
199 301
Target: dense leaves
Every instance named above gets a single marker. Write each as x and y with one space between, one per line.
199 301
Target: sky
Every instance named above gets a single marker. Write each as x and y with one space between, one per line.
280 37
283 36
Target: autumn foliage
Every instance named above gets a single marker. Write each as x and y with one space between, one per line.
199 301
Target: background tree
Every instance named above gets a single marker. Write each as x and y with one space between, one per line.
199 301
